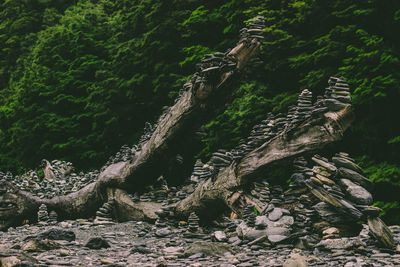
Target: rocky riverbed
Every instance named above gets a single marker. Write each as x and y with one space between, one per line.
82 243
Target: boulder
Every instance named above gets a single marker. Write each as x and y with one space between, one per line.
34 245
97 243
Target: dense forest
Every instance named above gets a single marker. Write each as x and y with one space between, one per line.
79 79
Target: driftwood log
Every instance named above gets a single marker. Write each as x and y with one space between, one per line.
228 188
195 106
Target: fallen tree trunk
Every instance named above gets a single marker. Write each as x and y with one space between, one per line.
228 189
193 108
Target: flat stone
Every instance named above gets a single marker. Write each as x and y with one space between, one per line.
325 180
345 163
328 166
356 177
329 214
381 232
106 261
357 194
321 171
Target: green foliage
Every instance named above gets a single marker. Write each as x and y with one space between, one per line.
255 211
384 173
390 211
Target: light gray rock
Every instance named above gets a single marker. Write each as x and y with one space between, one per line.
357 194
249 233
343 162
275 215
356 177
163 232
220 236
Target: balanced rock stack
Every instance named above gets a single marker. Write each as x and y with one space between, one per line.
65 181
340 197
43 215
261 191
249 216
220 159
337 95
193 223
53 218
210 67
304 107
319 106
275 225
257 134
198 171
104 214
253 31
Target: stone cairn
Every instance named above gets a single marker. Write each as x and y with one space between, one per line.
337 95
249 216
333 197
66 181
53 218
322 208
43 215
254 31
304 107
104 214
193 223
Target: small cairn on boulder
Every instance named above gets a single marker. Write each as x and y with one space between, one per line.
104 214
249 216
43 215
53 218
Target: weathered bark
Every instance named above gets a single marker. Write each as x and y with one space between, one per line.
228 188
196 105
